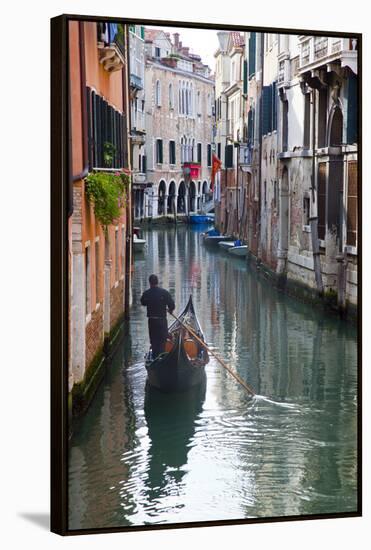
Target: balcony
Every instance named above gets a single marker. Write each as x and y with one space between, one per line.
138 137
111 46
245 158
191 169
318 51
139 179
136 83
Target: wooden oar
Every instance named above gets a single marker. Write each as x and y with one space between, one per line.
231 371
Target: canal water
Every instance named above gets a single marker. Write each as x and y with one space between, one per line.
218 454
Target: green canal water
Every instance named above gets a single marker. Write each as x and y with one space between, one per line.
218 454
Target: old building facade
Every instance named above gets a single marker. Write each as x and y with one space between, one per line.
297 168
179 124
99 259
137 116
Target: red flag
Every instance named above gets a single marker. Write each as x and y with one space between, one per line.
216 165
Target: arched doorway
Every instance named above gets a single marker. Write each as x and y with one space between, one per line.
161 198
181 198
192 196
335 177
171 198
283 245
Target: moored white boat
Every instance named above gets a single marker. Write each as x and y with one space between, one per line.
226 245
238 250
138 244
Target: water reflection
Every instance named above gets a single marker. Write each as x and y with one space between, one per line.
138 458
171 427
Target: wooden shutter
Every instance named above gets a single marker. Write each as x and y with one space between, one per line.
252 53
321 200
267 109
352 213
90 127
245 79
274 107
229 156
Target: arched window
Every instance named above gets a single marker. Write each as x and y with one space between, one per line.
181 150
193 150
208 105
158 93
198 102
171 97
180 98
183 98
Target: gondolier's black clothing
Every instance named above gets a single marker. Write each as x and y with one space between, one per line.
157 301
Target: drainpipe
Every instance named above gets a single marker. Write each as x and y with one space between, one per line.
313 220
84 111
260 144
127 161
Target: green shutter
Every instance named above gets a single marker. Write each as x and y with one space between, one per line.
252 53
274 106
267 110
352 123
245 80
229 156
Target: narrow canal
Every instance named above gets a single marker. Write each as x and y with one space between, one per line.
291 450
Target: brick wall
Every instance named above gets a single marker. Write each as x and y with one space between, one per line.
94 335
117 300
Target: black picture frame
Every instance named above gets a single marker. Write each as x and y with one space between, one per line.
60 198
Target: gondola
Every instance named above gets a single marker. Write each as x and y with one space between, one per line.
182 366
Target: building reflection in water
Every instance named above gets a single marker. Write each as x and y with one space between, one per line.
138 459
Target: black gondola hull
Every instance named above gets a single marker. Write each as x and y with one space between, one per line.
175 371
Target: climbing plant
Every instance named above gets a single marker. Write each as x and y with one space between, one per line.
108 192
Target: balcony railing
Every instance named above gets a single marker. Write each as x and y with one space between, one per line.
319 50
136 82
320 47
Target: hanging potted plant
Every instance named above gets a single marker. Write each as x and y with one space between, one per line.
108 192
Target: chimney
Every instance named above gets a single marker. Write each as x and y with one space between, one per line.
223 40
185 51
176 39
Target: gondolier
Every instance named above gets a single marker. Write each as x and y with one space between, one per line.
157 301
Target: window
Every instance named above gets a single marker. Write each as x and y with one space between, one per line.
199 152
199 103
252 54
269 108
352 127
306 140
158 93
306 210
233 71
117 254
159 151
157 52
87 279
106 128
171 97
219 151
321 200
285 125
352 204
229 156
97 271
172 152
208 105
208 154
322 117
